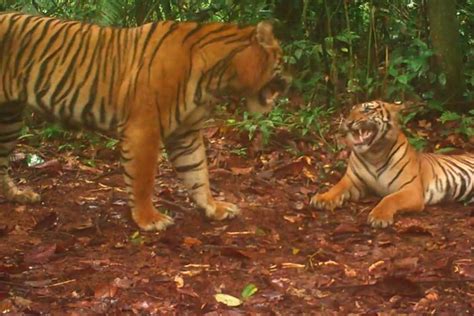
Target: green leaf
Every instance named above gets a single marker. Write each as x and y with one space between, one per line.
402 79
298 53
435 105
137 239
449 116
442 79
249 290
444 150
228 300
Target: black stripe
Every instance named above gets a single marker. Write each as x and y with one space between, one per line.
389 158
399 173
408 182
176 144
185 153
399 159
462 175
173 27
52 38
190 167
24 44
175 155
87 114
87 38
218 39
354 183
221 28
196 29
358 176
197 186
103 110
160 122
60 86
177 115
93 60
126 174
362 161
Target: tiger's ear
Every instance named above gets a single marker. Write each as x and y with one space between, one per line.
264 34
395 108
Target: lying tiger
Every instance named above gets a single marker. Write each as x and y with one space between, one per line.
383 162
156 84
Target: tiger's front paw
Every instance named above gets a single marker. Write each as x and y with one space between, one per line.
380 217
151 220
327 202
222 210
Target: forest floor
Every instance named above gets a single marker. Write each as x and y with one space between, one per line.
79 252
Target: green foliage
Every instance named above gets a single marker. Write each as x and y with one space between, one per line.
465 122
418 142
314 120
248 291
265 124
54 131
339 52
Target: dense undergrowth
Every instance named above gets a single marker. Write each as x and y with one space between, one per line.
338 52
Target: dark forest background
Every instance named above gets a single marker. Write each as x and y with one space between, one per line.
339 52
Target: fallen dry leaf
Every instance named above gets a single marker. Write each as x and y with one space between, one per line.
375 265
241 171
105 290
179 281
346 228
409 263
41 254
123 283
190 242
228 300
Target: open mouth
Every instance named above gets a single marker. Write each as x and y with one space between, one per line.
363 136
270 92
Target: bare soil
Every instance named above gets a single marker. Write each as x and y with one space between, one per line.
79 252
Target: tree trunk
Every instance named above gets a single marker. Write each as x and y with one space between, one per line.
289 12
141 10
444 33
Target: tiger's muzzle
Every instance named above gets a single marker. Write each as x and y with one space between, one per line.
362 133
264 100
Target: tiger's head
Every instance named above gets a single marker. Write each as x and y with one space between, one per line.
371 123
258 70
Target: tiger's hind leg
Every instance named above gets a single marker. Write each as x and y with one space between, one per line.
187 154
11 122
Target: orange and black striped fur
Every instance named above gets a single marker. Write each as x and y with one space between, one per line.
155 84
383 162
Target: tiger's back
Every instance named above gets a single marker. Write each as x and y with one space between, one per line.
66 69
86 74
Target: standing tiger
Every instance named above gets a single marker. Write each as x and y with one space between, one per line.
383 162
154 84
